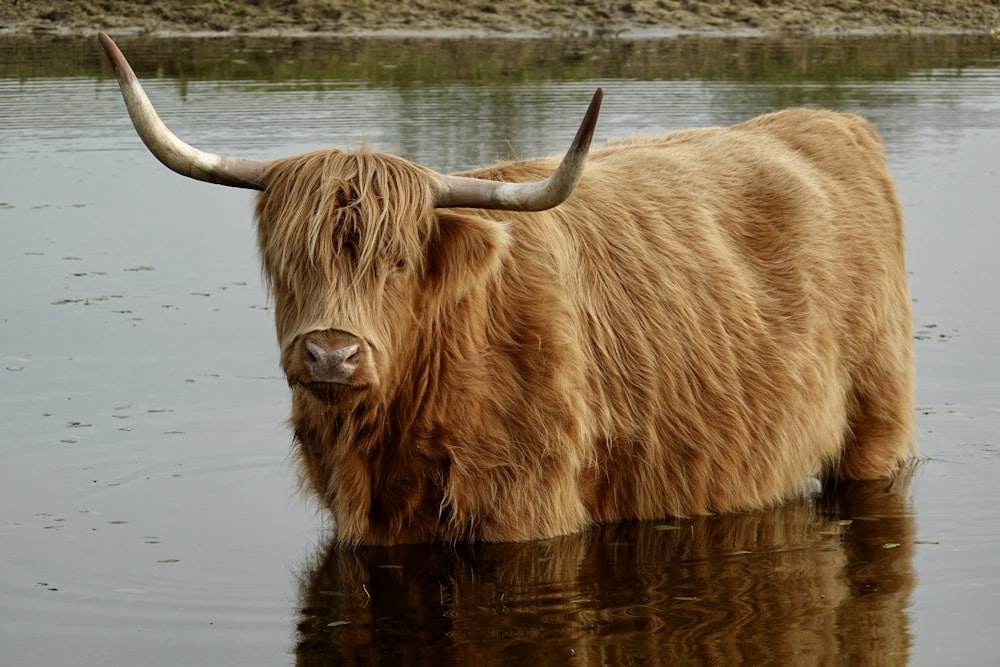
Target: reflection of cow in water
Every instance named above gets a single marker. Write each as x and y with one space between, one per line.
814 582
675 325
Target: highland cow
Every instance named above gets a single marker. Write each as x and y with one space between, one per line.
697 322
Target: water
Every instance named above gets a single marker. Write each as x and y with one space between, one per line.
149 513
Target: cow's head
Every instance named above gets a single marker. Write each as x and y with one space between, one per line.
356 247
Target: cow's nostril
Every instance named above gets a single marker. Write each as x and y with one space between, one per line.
312 352
351 355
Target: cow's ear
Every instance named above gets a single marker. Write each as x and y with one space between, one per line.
465 251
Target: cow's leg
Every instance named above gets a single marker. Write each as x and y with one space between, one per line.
880 436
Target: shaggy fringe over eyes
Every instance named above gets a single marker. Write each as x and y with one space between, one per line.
370 209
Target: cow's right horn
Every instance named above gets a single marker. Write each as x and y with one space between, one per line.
167 147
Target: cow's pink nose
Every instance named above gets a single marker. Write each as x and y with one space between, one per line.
332 362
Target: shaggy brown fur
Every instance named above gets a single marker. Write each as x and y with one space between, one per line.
712 319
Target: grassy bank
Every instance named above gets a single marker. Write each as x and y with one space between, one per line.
533 17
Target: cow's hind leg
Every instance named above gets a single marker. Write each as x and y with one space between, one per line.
881 431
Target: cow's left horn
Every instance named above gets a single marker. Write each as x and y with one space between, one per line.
164 144
461 191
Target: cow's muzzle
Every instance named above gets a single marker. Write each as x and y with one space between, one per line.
335 364
331 358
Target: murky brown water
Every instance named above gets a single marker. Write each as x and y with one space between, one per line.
148 509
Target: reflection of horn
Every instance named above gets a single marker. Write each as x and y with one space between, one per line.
793 585
167 147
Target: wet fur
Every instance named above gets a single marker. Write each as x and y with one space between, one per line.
712 319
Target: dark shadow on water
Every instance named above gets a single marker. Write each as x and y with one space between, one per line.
825 580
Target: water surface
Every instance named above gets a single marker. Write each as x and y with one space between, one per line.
149 512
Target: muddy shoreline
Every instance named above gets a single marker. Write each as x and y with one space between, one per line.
518 18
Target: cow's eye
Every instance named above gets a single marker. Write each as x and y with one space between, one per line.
400 265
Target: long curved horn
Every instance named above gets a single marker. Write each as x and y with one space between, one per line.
164 144
462 191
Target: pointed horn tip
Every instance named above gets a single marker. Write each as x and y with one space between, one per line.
585 134
115 55
595 102
109 44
